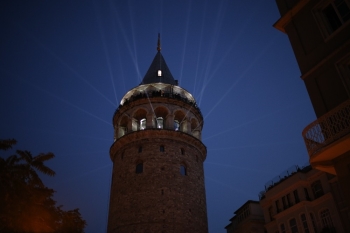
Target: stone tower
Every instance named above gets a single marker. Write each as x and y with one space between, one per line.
158 179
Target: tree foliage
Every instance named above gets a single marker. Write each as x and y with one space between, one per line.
26 204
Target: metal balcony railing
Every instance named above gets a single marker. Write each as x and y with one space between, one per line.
327 129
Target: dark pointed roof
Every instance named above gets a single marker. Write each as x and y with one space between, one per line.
159 72
154 76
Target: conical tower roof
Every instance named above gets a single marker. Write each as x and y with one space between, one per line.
158 72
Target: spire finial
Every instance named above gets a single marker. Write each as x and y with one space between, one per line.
158 47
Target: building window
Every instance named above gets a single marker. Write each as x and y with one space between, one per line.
293 226
284 203
307 194
313 222
288 200
336 13
160 122
139 168
283 228
161 148
317 189
326 219
143 124
182 151
159 73
271 213
277 202
176 125
332 15
296 196
183 170
140 149
304 222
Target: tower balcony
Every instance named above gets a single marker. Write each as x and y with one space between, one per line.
328 137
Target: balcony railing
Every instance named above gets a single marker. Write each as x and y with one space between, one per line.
328 128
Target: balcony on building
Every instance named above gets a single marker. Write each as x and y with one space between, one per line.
328 137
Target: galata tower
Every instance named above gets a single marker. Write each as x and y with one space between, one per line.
158 178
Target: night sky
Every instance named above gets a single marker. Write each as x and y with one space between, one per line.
65 65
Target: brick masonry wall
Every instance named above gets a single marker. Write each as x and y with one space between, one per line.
160 199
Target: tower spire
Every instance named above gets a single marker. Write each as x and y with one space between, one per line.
158 47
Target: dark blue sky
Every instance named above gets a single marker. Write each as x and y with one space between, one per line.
65 65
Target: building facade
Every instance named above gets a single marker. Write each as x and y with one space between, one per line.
318 31
158 179
303 200
248 218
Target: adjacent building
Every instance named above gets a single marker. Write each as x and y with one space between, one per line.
158 178
303 200
248 218
319 32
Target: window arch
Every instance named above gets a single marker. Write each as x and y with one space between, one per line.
139 119
123 126
326 218
161 115
180 121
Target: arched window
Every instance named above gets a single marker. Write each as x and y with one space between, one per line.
326 218
304 222
143 124
139 168
160 121
176 125
183 170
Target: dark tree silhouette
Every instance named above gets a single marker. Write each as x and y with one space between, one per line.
26 204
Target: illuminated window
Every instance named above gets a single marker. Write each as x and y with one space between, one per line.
143 124
176 125
159 73
160 122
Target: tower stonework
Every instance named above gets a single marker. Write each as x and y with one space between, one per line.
158 178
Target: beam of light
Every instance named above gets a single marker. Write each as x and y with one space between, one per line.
262 52
65 101
254 145
103 40
246 123
245 193
199 48
134 42
133 58
66 65
185 38
219 20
